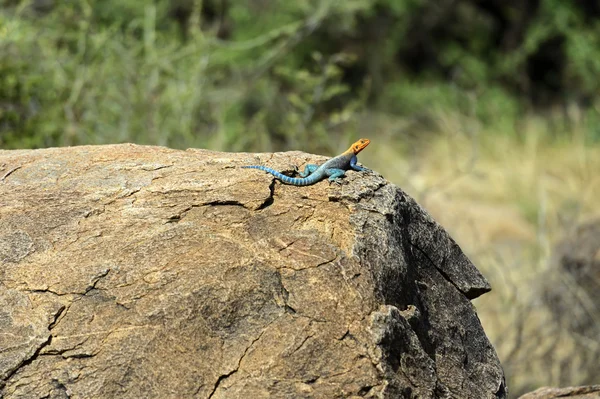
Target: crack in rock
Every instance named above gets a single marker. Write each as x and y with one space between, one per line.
91 286
444 275
270 199
26 362
223 377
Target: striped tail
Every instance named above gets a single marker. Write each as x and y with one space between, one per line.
286 179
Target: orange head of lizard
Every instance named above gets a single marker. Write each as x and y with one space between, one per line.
359 146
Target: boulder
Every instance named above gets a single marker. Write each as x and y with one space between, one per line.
571 293
143 272
573 288
583 392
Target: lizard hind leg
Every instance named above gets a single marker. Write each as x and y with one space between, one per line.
308 169
335 175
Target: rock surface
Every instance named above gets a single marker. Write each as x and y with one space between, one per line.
584 392
144 272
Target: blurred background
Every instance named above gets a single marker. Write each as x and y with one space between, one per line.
486 111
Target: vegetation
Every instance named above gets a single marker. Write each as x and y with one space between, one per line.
270 74
465 90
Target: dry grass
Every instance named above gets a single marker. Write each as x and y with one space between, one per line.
506 202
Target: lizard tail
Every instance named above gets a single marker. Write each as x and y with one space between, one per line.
286 179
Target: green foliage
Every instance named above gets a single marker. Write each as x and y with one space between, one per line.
275 74
109 78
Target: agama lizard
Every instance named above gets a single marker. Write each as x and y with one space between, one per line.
335 168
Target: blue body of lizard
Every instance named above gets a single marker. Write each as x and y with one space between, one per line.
334 168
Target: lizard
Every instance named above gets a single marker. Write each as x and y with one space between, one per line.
334 168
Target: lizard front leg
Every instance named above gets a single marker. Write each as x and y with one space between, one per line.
355 166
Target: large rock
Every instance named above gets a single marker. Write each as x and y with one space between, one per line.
571 292
583 392
143 272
